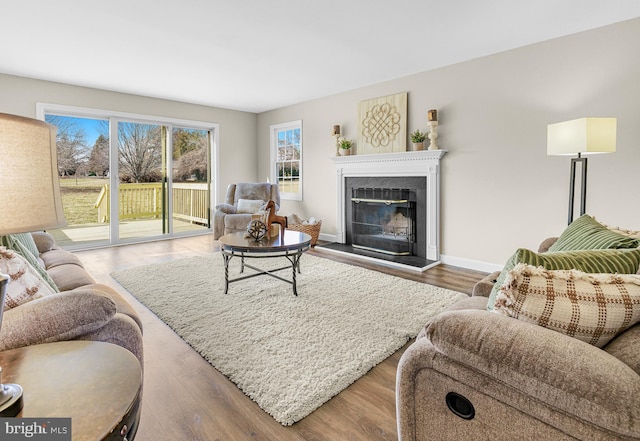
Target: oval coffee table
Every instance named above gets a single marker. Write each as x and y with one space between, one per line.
291 245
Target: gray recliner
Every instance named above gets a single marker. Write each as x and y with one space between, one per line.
233 216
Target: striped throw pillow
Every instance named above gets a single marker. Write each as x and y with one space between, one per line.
586 233
590 261
594 308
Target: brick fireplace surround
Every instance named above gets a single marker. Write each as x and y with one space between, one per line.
425 164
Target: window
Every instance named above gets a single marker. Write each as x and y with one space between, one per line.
129 177
286 159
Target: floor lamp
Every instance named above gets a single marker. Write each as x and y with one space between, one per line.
578 137
30 200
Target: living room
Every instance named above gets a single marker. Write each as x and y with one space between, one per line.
499 188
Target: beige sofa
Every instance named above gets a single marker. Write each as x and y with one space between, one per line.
82 310
475 374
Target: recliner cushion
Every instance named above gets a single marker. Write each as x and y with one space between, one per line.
625 348
59 257
58 317
70 276
252 190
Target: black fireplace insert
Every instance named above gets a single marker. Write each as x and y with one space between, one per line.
384 220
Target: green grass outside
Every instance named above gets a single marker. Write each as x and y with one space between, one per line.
78 197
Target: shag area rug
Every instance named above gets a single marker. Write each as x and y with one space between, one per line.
289 354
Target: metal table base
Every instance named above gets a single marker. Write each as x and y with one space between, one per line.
293 258
290 245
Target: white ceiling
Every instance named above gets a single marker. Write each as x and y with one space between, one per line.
257 55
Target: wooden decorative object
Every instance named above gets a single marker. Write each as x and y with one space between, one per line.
383 125
274 218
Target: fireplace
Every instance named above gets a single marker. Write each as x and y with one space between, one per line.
383 220
386 214
388 207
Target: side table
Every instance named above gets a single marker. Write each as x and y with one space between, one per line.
98 385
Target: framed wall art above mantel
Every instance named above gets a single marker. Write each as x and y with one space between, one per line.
382 125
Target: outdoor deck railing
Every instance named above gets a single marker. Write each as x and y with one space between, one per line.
137 201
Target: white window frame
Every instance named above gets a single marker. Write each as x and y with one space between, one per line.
42 109
274 129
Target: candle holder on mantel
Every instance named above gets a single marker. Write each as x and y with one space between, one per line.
432 122
336 132
433 135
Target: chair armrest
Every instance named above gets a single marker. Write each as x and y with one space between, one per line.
56 317
226 208
546 244
44 241
565 373
483 287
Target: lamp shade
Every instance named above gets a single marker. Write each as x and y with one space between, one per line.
584 135
30 197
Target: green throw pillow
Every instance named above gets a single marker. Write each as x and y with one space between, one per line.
586 233
588 261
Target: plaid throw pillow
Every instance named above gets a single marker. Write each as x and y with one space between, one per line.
593 308
589 261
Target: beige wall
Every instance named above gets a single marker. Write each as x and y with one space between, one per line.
237 138
500 190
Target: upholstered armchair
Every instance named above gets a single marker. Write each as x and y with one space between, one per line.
556 358
243 200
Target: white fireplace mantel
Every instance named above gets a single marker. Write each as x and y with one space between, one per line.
419 163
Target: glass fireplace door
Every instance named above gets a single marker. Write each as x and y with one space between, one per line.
383 220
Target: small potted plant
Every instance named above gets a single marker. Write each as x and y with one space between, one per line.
417 138
345 145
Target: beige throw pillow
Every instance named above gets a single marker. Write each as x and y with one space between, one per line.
25 283
249 206
593 308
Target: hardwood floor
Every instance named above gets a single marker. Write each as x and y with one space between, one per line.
185 398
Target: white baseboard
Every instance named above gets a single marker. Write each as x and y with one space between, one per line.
328 237
448 260
470 264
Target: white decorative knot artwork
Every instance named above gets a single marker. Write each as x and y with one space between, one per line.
383 124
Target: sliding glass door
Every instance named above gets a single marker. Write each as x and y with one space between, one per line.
126 179
83 167
141 201
190 171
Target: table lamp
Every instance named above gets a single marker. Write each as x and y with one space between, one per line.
581 136
30 200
